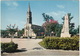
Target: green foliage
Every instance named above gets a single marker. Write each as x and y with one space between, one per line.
51 25
74 32
42 44
12 29
56 28
16 36
25 37
36 30
20 32
60 43
9 47
39 37
4 33
47 17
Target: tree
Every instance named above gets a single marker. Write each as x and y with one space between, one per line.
59 30
50 25
21 32
75 31
78 29
38 31
4 33
11 30
47 17
55 28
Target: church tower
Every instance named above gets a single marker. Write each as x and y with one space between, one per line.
29 15
28 31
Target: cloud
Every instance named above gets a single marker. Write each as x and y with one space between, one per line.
10 3
15 3
57 15
60 6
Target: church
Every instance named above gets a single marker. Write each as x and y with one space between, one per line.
31 30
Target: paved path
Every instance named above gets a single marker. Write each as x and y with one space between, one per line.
27 44
34 49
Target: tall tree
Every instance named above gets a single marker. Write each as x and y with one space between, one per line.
47 17
55 28
51 26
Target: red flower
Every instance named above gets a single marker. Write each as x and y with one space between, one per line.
42 32
52 21
48 22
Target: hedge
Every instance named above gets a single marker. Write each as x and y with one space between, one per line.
60 43
9 47
16 36
39 37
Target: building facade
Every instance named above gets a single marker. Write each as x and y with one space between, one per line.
31 30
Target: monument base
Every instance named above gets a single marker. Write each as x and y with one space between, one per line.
65 35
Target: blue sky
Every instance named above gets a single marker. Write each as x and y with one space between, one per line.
14 12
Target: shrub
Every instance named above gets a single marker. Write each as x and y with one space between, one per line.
60 43
40 37
16 36
9 47
25 37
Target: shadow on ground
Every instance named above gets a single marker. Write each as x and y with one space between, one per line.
18 50
21 50
37 48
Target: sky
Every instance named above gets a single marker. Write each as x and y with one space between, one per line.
15 12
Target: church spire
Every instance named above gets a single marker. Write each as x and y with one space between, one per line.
29 10
29 15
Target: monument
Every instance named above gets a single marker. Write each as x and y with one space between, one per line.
65 29
28 31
